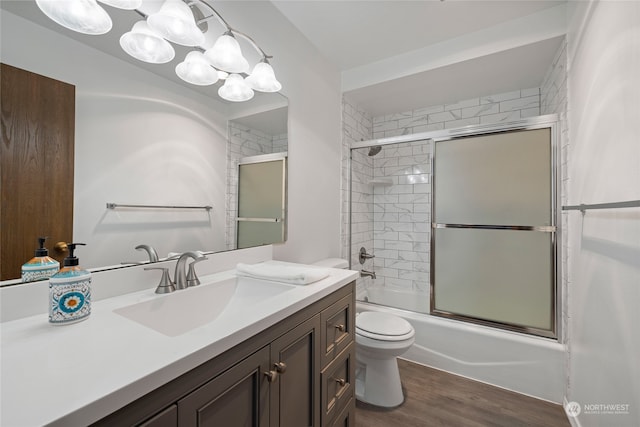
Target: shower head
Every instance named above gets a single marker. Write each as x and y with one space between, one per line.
374 150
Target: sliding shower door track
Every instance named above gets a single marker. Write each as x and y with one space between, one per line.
542 228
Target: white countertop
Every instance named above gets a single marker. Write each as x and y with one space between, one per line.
76 374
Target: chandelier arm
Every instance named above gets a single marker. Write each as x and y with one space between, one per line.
228 27
215 14
251 42
142 14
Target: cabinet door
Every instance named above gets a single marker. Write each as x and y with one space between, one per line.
166 418
36 164
346 417
237 398
294 394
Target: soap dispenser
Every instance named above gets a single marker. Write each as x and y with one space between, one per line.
41 266
70 291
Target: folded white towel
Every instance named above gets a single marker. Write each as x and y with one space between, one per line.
282 272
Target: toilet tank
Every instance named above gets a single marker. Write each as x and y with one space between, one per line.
332 263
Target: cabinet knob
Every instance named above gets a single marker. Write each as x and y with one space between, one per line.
340 327
341 381
281 367
271 376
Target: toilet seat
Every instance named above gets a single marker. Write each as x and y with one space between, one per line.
383 327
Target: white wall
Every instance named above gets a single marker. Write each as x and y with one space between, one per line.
115 130
604 245
312 85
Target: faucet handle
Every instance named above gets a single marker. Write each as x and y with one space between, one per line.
166 285
192 278
363 255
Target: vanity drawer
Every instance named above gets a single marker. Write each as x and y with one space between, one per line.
346 417
338 385
337 324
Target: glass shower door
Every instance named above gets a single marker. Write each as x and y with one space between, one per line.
493 240
261 202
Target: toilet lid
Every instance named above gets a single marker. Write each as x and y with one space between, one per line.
383 324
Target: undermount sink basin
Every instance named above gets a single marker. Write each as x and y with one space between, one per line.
184 310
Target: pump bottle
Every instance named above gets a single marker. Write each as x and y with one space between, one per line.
41 266
70 291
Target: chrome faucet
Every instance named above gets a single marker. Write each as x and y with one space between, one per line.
182 280
365 273
153 255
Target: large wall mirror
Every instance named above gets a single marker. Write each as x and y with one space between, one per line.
143 137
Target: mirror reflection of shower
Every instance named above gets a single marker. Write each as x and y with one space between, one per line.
390 218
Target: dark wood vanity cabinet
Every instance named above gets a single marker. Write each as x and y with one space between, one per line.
299 372
239 396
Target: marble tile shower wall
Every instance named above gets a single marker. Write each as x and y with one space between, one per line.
503 107
244 142
399 232
357 126
401 215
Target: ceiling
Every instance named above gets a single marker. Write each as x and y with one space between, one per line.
506 71
359 37
354 35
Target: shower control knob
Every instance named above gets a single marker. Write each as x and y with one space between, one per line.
363 255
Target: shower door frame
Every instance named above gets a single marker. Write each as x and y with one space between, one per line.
542 122
539 122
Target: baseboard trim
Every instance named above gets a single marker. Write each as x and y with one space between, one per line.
573 419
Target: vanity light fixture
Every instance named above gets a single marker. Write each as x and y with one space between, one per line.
263 78
235 89
197 70
123 4
83 16
146 45
176 22
226 55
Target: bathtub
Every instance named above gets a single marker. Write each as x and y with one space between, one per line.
521 363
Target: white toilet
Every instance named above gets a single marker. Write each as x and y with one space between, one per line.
380 339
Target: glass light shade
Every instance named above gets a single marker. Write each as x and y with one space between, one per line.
175 22
263 78
123 4
226 55
83 16
197 70
235 89
144 44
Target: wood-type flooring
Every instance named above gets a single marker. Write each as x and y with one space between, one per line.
437 398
